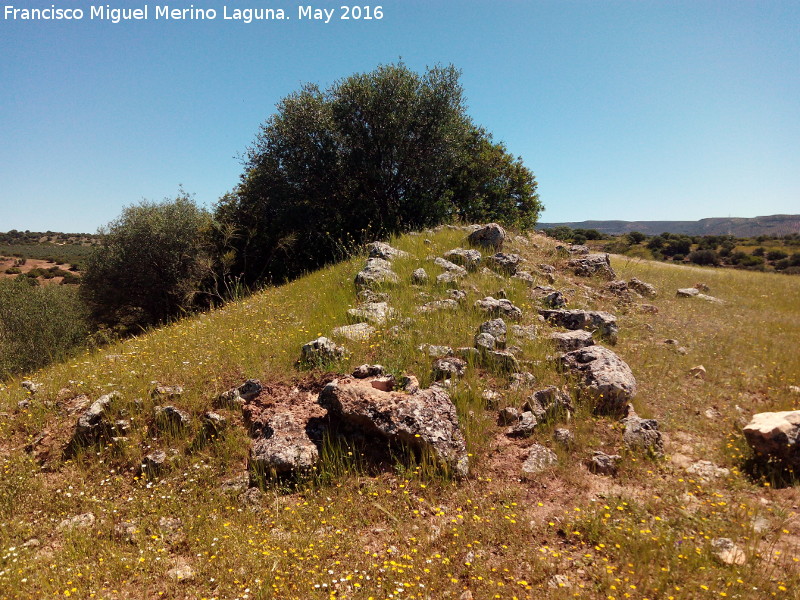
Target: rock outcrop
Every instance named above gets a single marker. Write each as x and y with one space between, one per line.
603 376
776 436
376 272
425 420
591 265
601 322
488 236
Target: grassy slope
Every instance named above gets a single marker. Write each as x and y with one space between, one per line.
407 534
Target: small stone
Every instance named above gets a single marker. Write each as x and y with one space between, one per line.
450 366
687 292
153 464
82 521
491 398
355 333
564 437
419 276
728 552
377 313
181 573
539 459
604 464
171 418
524 427
698 372
166 392
508 415
409 384
364 371
469 259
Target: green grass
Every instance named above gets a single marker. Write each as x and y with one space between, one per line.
409 532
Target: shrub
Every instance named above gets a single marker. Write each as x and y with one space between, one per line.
150 265
704 257
777 255
38 325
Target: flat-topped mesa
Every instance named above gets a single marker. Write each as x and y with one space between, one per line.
425 420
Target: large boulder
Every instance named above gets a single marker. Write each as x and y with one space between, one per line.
283 448
378 272
605 324
776 435
425 420
604 377
385 251
591 265
488 236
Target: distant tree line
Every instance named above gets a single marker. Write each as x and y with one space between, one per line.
760 253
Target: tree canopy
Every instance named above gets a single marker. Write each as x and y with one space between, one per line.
375 154
151 263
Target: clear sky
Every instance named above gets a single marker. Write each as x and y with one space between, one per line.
633 110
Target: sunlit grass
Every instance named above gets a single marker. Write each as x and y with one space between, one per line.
351 531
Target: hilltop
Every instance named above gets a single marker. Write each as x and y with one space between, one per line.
772 225
105 492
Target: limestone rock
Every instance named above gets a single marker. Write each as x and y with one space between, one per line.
426 419
554 300
524 427
82 521
604 377
550 403
469 259
355 333
488 236
320 351
447 367
171 418
643 435
94 423
776 435
284 448
604 464
377 313
572 340
539 459
437 305
593 265
687 292
364 371
706 470
154 463
605 324
376 272
504 263
385 251
645 289
237 396
419 276
564 437
499 308
728 552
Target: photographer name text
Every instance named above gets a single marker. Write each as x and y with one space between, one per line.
165 12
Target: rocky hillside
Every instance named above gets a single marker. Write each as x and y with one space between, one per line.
460 413
772 225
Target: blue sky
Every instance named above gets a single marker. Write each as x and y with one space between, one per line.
632 110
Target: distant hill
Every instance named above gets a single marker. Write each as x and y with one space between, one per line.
769 225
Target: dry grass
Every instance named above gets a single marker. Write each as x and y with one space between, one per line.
407 532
